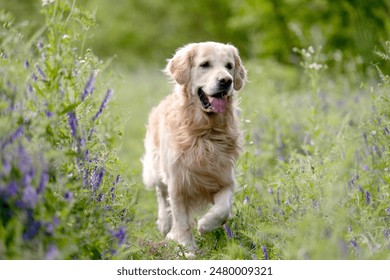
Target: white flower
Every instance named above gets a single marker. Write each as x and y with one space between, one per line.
47 2
315 66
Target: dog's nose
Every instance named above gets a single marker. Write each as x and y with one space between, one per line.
224 82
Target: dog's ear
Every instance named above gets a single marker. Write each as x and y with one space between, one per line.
239 76
179 66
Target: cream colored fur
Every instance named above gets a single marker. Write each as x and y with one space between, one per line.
190 151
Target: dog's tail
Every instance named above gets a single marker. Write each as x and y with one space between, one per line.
149 175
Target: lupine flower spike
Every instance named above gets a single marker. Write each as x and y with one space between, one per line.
109 93
265 252
89 87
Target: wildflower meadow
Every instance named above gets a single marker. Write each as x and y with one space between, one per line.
313 180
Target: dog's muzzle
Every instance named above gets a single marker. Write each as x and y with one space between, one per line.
216 103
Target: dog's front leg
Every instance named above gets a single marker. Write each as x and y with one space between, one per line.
181 229
219 212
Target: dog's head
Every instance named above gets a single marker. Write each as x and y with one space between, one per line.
210 71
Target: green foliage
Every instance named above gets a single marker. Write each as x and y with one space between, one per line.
259 28
61 195
139 31
275 27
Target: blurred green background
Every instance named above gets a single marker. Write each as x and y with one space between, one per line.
148 31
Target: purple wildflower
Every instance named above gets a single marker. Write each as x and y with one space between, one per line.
52 252
228 231
353 243
48 113
351 182
26 64
49 228
28 174
41 73
386 130
29 197
387 211
376 149
90 133
68 196
12 188
120 234
107 98
56 221
368 197
89 87
32 226
40 47
246 200
29 88
113 252
82 142
100 197
19 132
73 124
34 77
112 191
271 190
117 179
386 233
265 252
99 180
25 166
6 166
43 181
86 155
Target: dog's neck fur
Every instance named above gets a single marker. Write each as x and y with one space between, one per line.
200 125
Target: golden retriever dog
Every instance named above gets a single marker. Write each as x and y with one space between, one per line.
193 140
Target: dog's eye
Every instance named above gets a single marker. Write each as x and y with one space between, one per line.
205 64
229 66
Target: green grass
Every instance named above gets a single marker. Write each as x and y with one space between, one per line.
313 180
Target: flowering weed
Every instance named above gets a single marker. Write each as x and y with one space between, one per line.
60 192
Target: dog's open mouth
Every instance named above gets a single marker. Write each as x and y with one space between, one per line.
216 103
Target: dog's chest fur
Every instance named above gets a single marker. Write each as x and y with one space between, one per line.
206 147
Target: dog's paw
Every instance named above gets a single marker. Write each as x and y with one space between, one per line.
172 236
164 226
209 223
206 225
182 237
186 241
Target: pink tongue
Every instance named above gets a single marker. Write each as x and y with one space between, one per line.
219 104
